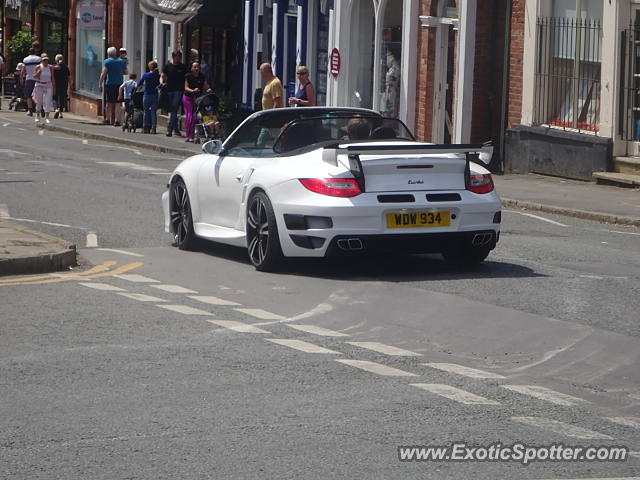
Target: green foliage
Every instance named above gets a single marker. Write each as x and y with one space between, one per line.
20 43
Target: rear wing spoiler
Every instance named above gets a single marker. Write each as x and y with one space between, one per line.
471 152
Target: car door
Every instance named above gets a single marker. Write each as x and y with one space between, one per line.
221 181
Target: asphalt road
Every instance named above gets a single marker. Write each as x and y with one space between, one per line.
321 371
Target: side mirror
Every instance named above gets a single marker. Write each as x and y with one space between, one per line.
212 147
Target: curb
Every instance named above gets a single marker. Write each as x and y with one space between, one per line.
122 141
54 262
573 212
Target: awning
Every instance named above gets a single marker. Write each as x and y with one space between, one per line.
171 10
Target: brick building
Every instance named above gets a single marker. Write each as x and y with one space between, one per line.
574 108
466 77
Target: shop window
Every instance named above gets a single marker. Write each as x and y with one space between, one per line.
89 47
391 51
148 54
360 59
567 72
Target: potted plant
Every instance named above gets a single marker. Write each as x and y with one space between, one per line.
21 42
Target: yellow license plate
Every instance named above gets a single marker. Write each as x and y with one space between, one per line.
418 219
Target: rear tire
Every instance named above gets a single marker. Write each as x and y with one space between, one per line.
263 243
181 220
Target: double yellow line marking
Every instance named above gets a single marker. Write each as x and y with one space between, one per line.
103 270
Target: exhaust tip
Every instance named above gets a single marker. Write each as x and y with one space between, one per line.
355 244
480 239
350 244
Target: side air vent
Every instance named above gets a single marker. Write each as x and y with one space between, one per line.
443 197
396 198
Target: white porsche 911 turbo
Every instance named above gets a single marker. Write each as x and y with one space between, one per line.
319 181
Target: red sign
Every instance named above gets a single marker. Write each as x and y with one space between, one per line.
334 62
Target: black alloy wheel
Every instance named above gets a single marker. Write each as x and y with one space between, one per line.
263 244
180 217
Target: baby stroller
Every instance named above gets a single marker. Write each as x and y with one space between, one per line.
16 90
206 116
134 111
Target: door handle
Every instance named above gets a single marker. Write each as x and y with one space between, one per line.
239 177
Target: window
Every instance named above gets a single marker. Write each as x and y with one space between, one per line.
89 47
567 83
360 59
391 53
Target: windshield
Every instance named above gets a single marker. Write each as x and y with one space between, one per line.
307 132
257 136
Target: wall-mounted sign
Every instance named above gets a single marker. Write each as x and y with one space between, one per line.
91 16
334 62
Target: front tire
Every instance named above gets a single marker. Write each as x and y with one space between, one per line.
263 243
181 219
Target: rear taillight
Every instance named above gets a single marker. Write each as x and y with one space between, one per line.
481 183
334 187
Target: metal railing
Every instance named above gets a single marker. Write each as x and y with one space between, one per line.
567 74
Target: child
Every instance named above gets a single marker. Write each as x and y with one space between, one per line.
17 99
125 92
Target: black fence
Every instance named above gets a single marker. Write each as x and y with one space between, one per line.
567 74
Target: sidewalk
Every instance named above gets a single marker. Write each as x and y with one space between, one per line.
573 198
24 251
93 129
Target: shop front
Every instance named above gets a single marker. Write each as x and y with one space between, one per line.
579 88
90 47
286 34
212 38
17 13
51 26
375 42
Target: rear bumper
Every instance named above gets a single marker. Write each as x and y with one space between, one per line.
410 243
312 225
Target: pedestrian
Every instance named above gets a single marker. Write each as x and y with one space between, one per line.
305 96
272 93
36 47
44 87
122 53
173 75
125 93
18 96
30 64
151 81
111 77
61 74
194 84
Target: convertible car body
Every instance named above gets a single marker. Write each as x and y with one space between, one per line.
311 182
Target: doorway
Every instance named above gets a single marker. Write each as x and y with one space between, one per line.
444 75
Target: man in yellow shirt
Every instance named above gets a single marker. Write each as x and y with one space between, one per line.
272 93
